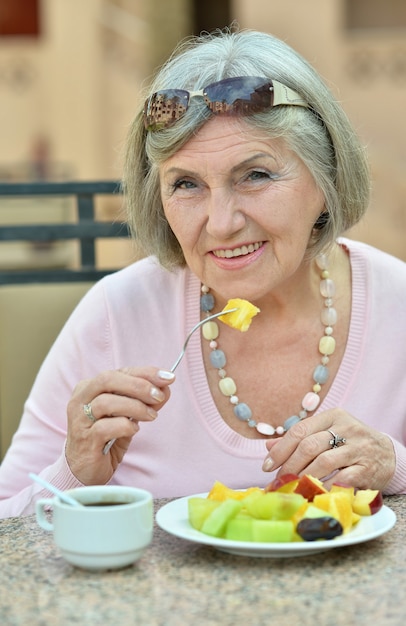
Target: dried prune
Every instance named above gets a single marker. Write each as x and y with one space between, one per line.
313 528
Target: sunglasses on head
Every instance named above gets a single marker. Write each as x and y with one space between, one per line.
241 95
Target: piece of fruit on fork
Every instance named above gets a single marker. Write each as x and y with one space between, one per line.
240 319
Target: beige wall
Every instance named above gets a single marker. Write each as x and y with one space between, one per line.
79 85
61 97
374 99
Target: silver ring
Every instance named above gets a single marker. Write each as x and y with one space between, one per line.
336 441
87 409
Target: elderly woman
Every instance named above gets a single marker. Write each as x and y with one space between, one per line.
242 174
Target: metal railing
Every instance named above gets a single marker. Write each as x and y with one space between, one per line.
86 229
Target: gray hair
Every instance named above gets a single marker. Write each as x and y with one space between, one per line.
321 136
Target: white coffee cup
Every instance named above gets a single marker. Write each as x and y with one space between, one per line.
110 531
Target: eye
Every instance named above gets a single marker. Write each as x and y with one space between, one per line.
260 175
183 183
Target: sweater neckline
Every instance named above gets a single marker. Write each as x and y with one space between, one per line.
343 382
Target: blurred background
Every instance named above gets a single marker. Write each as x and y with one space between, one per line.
71 72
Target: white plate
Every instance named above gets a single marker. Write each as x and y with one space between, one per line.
173 518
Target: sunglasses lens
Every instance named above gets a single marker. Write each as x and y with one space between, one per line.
164 108
241 95
247 94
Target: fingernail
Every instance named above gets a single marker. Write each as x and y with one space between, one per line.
157 394
152 413
165 375
268 464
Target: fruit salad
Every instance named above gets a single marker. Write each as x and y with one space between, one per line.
291 508
240 319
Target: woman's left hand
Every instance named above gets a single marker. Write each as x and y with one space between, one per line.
366 459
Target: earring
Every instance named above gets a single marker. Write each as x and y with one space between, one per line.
321 221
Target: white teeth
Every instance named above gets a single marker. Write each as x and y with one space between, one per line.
228 254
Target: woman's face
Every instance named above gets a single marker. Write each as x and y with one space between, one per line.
242 208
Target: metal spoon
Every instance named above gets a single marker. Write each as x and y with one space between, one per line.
61 495
181 355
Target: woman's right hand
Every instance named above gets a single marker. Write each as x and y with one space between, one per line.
110 406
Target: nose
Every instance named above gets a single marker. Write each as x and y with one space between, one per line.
225 216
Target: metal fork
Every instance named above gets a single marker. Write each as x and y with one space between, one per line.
110 443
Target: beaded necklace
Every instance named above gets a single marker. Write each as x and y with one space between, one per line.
311 400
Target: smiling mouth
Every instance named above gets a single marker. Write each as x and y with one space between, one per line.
243 251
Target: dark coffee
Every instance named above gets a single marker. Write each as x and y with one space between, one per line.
104 503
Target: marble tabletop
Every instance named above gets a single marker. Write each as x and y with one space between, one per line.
177 583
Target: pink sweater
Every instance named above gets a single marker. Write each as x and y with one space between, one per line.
140 316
